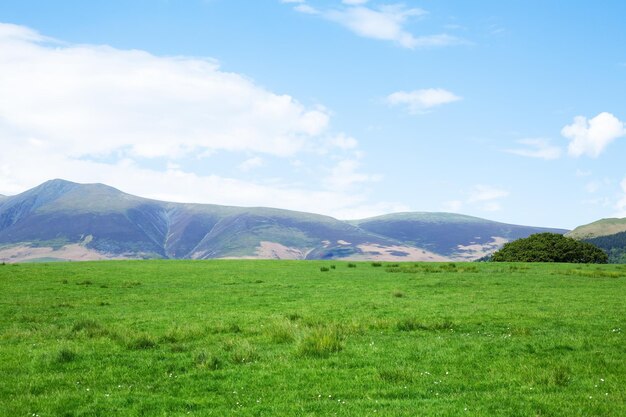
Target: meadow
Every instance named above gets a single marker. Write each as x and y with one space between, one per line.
312 338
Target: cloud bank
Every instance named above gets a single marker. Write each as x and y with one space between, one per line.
93 113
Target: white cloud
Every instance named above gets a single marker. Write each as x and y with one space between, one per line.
22 168
305 8
251 163
482 193
342 141
345 174
386 22
90 113
478 197
537 148
419 101
591 137
98 100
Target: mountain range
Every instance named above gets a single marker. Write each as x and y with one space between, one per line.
62 220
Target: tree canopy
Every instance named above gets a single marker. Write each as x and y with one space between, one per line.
614 245
550 247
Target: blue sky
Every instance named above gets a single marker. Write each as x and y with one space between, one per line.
511 111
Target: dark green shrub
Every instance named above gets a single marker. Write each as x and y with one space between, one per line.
550 247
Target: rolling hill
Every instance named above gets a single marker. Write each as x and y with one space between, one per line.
452 235
607 234
68 221
604 227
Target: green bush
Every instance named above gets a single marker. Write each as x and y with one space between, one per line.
550 247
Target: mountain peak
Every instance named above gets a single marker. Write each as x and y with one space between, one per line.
96 221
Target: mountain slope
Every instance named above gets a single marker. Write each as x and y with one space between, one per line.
604 227
607 234
100 221
452 235
614 245
65 220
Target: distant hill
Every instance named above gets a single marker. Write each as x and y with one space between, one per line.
451 235
607 234
69 221
604 227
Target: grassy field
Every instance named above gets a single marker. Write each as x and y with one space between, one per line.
285 338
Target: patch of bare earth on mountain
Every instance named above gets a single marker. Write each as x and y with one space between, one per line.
374 252
273 250
74 252
477 250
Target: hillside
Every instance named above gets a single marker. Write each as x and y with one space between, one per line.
452 235
64 220
604 227
614 246
607 234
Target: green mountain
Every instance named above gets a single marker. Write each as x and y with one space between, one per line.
607 234
64 220
604 227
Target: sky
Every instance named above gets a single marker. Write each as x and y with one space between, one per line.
508 110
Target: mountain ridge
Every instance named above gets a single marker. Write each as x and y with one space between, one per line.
71 221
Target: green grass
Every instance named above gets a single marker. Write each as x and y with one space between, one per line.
283 338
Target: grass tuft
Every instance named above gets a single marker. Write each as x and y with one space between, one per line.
561 376
321 342
241 351
293 316
412 324
282 331
65 355
395 376
141 342
89 328
208 361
